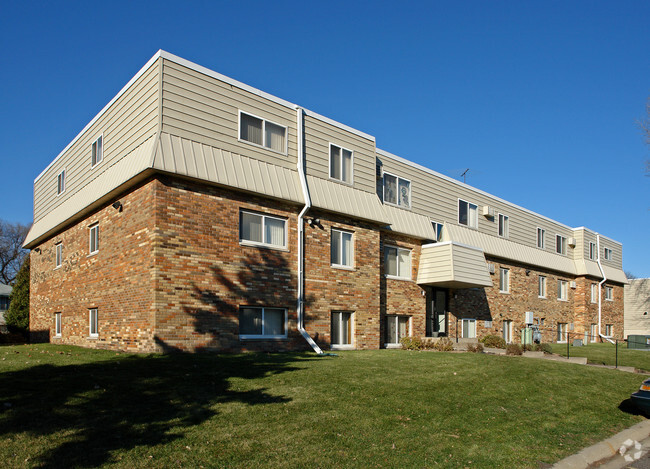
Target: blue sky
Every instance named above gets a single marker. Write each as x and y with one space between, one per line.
538 99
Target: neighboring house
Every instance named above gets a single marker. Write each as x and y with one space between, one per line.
5 293
196 212
637 307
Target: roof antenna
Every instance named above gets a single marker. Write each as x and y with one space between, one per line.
463 175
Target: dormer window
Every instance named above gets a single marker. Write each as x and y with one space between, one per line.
261 132
397 191
97 151
60 181
467 214
340 164
608 254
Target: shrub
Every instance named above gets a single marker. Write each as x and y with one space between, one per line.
17 317
444 345
527 348
428 343
493 341
546 348
475 348
513 349
411 343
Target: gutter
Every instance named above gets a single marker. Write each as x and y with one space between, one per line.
301 234
600 295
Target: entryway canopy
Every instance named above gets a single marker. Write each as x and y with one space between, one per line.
453 265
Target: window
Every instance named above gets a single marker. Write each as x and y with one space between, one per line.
342 250
397 191
93 322
256 323
541 234
437 229
398 262
469 328
503 225
609 330
263 230
593 252
57 324
397 327
609 293
542 286
594 293
562 332
560 244
504 281
608 254
562 290
340 164
60 181
467 214
97 151
487 324
594 333
341 328
58 254
262 132
94 239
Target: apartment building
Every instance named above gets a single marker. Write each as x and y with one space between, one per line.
637 307
196 212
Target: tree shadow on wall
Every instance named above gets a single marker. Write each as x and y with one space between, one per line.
88 413
263 277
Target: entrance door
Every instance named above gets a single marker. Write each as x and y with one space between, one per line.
436 312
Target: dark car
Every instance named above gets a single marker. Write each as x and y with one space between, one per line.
641 398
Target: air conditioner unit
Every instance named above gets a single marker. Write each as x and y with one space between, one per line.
572 242
488 211
490 267
529 317
573 283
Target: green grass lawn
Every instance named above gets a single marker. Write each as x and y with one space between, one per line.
605 354
72 407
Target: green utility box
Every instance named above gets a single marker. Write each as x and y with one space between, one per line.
638 342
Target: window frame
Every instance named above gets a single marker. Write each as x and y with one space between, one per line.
263 336
462 327
563 290
561 247
264 244
542 284
397 186
593 251
93 228
470 218
609 330
397 318
264 121
593 333
437 229
341 148
503 229
562 333
93 326
58 255
58 327
594 293
60 182
609 293
94 161
410 266
340 265
350 332
541 238
504 278
608 254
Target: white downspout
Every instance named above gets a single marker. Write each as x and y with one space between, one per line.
301 232
600 285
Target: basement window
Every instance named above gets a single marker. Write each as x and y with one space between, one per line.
93 326
262 323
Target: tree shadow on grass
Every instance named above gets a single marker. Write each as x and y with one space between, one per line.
95 409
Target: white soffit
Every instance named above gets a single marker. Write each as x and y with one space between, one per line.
341 198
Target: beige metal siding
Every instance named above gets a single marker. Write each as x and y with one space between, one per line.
182 156
453 265
344 199
205 109
126 124
409 223
319 135
637 307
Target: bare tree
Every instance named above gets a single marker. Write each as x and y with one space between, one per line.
644 124
630 275
12 253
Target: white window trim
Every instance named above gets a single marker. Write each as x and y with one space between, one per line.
593 332
541 231
58 326
594 293
329 164
408 332
97 163
611 332
264 336
506 225
468 214
264 121
593 251
502 271
565 334
60 176
564 240
349 346
58 255
461 328
398 179
437 229
246 242
560 290
339 265
609 293
399 277
92 228
542 282
90 325
608 254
